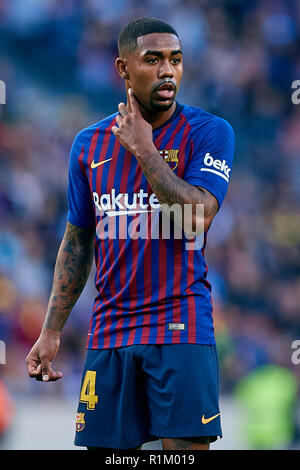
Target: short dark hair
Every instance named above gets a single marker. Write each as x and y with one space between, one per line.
140 27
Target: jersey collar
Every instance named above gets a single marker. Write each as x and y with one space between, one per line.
177 111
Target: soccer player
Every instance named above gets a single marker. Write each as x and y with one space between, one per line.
151 368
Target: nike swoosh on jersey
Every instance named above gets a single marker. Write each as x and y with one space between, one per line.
94 165
208 420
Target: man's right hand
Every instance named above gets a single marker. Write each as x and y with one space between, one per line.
42 353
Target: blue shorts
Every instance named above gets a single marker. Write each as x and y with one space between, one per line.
140 393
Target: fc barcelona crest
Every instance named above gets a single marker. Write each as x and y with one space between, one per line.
171 156
80 423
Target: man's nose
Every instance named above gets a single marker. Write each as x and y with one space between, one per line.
166 69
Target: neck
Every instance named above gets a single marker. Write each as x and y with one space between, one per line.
157 119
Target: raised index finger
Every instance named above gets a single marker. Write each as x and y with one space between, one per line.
133 101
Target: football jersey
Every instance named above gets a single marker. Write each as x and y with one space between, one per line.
152 283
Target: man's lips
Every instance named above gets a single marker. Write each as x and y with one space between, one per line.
166 90
166 94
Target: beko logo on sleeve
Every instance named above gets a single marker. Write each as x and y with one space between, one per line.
219 167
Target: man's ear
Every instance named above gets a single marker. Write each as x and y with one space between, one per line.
121 66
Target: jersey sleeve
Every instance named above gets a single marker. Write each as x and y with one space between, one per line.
80 207
212 158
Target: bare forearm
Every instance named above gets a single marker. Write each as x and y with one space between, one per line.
72 269
170 189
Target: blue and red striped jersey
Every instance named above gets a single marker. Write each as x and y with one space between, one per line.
152 285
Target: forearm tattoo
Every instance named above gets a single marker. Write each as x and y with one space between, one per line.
170 189
72 269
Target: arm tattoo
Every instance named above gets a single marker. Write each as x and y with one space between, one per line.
170 189
72 269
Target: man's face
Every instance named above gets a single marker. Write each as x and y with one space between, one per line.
155 70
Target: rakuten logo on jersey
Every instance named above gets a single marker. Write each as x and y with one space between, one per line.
121 204
219 167
141 216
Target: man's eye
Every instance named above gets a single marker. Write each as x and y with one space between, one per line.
152 61
176 61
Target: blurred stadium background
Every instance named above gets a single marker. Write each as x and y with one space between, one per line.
240 59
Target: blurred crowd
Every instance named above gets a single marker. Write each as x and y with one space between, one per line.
240 59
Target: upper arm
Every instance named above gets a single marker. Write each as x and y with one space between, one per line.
211 161
78 239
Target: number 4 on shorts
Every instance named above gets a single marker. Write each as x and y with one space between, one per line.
87 394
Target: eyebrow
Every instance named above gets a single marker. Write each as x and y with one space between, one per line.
160 54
